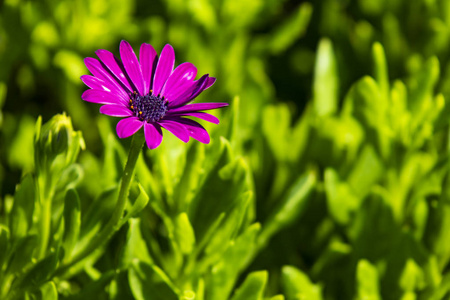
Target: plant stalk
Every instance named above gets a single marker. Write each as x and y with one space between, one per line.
114 223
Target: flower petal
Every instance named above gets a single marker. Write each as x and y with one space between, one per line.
193 107
99 71
176 129
153 135
148 58
116 110
95 83
116 67
186 96
129 126
180 80
132 66
210 82
99 84
101 97
164 68
201 88
200 115
194 129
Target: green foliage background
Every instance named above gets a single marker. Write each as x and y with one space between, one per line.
328 177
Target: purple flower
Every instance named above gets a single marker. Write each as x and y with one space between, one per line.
149 93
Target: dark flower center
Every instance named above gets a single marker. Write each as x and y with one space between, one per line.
150 108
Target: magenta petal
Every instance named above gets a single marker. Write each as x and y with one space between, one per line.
197 107
182 93
190 93
148 58
194 129
132 66
180 79
153 135
176 129
129 126
95 83
116 67
99 84
201 88
99 71
164 68
116 110
210 82
101 97
200 115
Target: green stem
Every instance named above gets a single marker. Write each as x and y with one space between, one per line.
45 188
45 225
114 223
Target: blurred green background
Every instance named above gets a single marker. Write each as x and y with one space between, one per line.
338 108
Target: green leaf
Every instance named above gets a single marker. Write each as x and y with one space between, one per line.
210 233
169 162
381 69
369 105
72 222
278 137
291 207
366 172
70 177
137 206
18 152
38 273
231 10
221 235
412 277
366 102
48 291
97 215
135 248
297 285
340 198
437 229
422 86
71 63
293 28
23 253
232 132
367 281
3 90
441 291
184 233
253 287
230 228
203 12
94 289
190 178
150 282
225 183
326 81
4 245
114 154
345 134
119 289
432 273
23 207
332 258
237 256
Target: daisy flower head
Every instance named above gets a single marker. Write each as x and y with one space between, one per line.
149 93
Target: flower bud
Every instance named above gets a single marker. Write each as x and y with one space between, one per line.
55 135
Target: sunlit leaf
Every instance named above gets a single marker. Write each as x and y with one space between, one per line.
149 281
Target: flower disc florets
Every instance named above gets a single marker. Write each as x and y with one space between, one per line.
150 108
